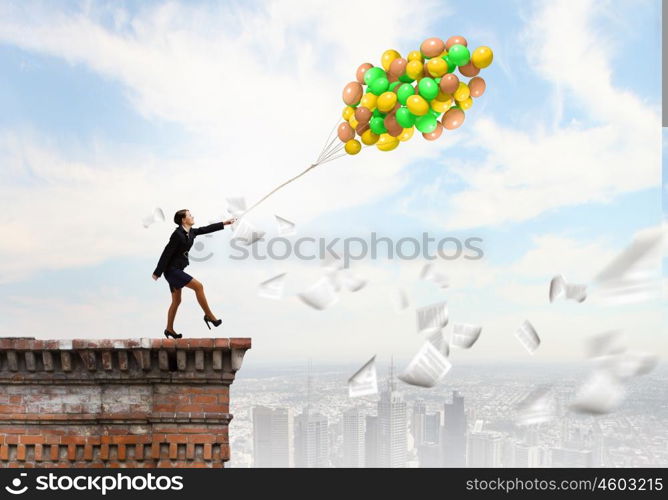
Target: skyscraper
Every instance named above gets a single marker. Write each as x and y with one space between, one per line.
485 449
353 438
311 440
454 433
392 427
272 437
418 422
371 442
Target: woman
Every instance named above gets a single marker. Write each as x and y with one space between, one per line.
174 259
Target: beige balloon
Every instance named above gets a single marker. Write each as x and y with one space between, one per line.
455 40
453 118
449 83
432 47
345 132
469 70
398 66
363 115
435 134
477 86
352 93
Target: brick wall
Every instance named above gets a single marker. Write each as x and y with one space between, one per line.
116 403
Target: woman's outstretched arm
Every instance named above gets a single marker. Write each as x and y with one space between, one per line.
167 253
217 226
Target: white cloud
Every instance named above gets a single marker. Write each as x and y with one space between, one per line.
527 173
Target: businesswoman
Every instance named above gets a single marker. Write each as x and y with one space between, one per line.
174 260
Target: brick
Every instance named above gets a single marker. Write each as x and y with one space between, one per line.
38 453
104 451
4 452
31 439
21 452
139 451
47 361
107 361
123 360
173 448
181 359
155 450
121 452
207 451
31 365
71 451
88 452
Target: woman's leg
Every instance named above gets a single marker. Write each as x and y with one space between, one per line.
171 314
201 298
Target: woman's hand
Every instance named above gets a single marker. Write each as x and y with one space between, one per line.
154 277
229 221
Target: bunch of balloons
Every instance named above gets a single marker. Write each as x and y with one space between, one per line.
419 92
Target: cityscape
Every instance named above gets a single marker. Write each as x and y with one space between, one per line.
303 417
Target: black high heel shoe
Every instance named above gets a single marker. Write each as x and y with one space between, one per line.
215 323
173 335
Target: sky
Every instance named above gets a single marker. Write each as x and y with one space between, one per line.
110 109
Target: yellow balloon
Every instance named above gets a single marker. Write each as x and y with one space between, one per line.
369 137
369 100
482 57
415 55
386 101
406 134
353 147
414 69
466 103
386 142
462 93
417 105
439 106
348 111
443 54
387 58
353 122
437 66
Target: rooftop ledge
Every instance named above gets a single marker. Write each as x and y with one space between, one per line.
134 360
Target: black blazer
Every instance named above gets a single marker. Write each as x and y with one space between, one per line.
175 254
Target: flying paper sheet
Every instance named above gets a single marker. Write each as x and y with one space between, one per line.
399 299
432 317
351 282
273 287
157 216
236 206
528 337
429 273
365 380
635 274
560 288
537 407
464 335
628 364
285 227
600 393
321 295
439 342
246 232
605 344
426 368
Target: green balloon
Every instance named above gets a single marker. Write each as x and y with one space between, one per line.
377 126
426 123
428 88
406 79
459 54
405 118
373 73
451 65
435 113
379 85
405 91
377 112
393 85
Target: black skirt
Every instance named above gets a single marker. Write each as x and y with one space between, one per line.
177 278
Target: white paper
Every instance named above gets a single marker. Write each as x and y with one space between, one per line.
236 206
605 344
537 407
628 364
528 337
560 288
635 274
399 299
426 368
285 227
464 335
599 394
157 216
432 317
365 381
439 342
273 287
321 295
246 232
352 282
429 273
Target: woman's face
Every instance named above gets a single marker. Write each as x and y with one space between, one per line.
189 219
